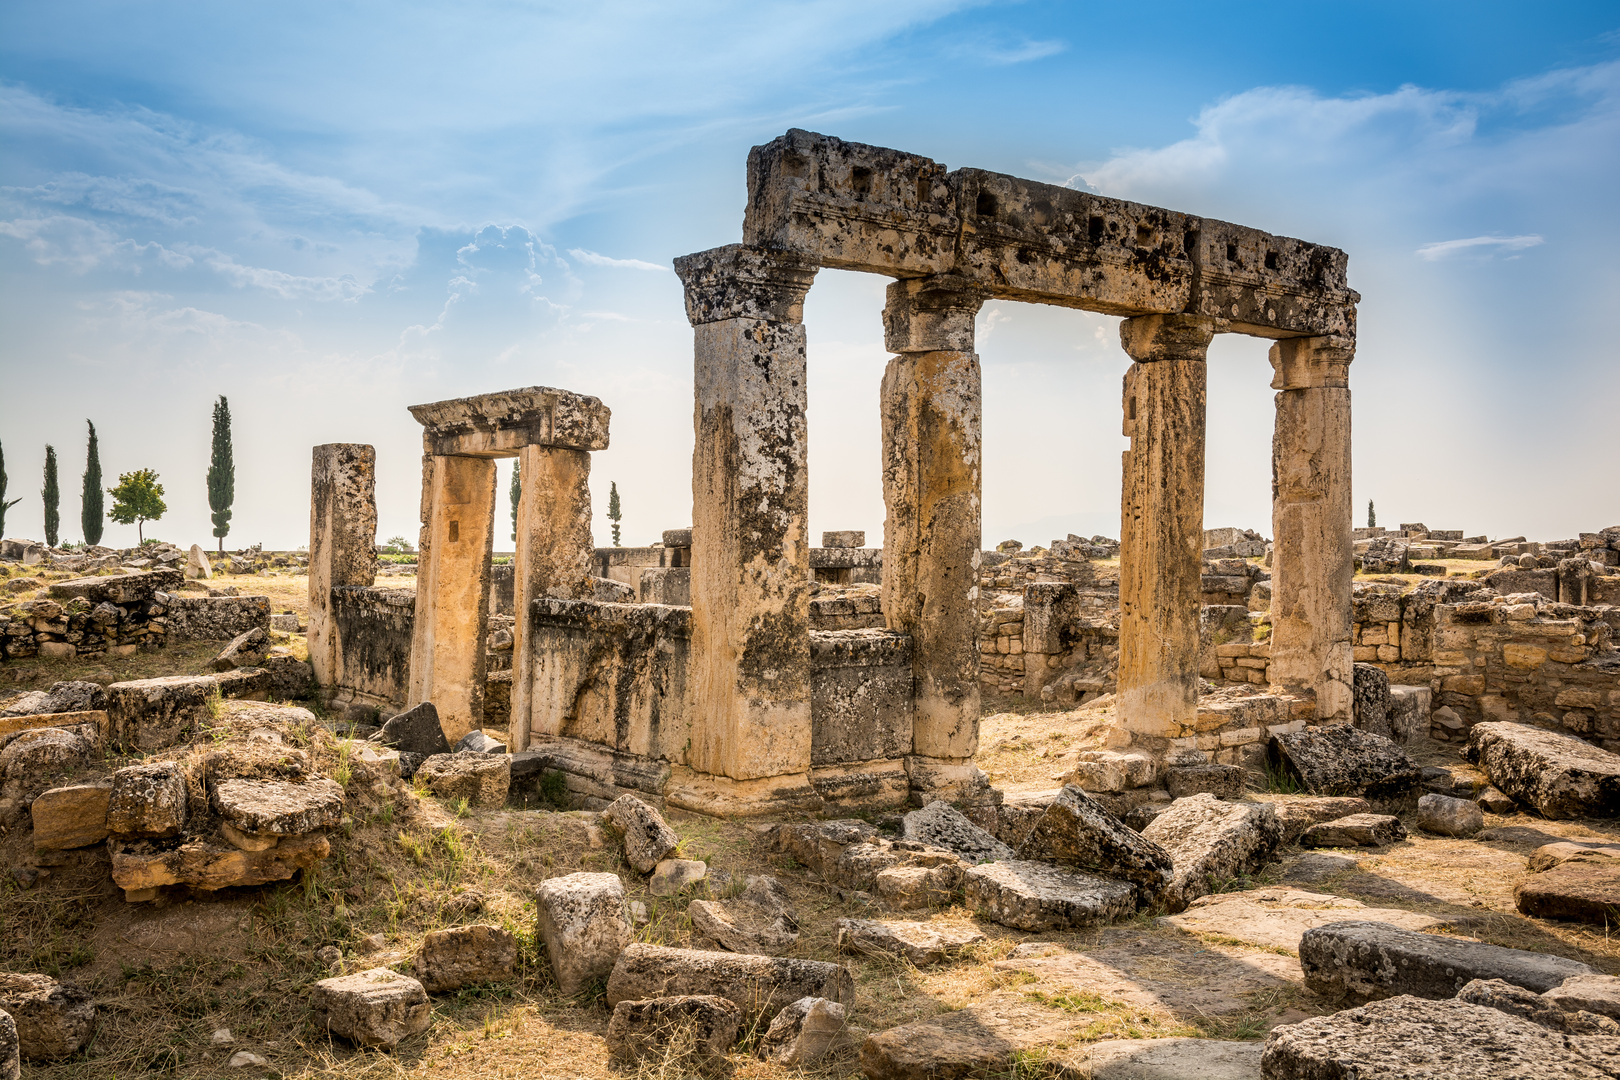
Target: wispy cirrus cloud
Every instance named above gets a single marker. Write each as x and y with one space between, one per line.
1433 252
591 258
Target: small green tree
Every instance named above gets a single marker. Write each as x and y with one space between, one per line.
517 491
1372 518
137 499
4 506
221 472
90 505
614 514
52 495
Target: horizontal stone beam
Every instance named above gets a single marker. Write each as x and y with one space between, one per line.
502 423
857 207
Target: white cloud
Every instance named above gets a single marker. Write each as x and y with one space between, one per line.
1431 252
285 285
591 258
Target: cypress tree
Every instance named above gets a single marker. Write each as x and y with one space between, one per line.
1372 518
221 472
517 491
52 494
90 512
614 515
4 506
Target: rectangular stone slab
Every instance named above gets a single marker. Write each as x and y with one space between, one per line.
757 984
502 423
1558 774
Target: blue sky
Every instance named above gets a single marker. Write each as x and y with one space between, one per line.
330 212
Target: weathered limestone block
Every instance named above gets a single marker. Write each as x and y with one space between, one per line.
583 922
10 1048
1338 759
692 1029
670 876
1211 842
1449 817
818 845
53 1020
150 714
70 817
62 697
248 649
1560 775
1369 960
275 808
912 888
1548 856
918 943
1598 994
142 865
1034 896
1408 712
984 1039
509 420
1222 781
757 984
215 618
148 800
760 920
646 836
1408 1036
342 539
481 779
36 760
1585 888
1372 701
861 695
1276 917
1528 1005
859 864
803 1032
372 1008
465 955
121 589
1296 813
1112 771
1357 830
941 825
416 731
1075 831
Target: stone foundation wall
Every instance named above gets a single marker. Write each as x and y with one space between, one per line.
215 618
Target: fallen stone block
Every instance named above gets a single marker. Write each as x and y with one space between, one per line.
276 808
803 1032
859 865
761 920
1560 775
1296 813
36 761
140 867
1408 712
1588 993
919 943
464 956
151 714
1357 830
982 1040
1370 960
71 817
1211 842
670 876
1035 896
246 650
372 1008
63 697
1075 831
914 888
756 984
1338 759
291 679
416 731
1548 856
478 742
1222 781
1109 771
148 800
1584 888
1447 816
690 1029
1493 800
1407 1037
1277 917
1531 1006
647 837
53 1020
583 922
941 825
817 845
481 779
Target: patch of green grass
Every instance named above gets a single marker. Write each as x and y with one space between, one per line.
1279 781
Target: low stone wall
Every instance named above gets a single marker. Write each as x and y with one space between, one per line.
1056 633
859 610
215 618
373 628
94 616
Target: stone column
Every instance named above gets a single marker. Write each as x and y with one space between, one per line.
932 478
342 540
553 555
750 666
1312 559
1161 535
452 589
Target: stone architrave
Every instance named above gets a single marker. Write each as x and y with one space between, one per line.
932 484
1162 521
750 666
1313 560
342 540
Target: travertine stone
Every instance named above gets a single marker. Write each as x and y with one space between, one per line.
10 1048
1585 888
150 714
372 1008
278 807
1076 831
1357 830
1296 813
139 866
502 423
1531 1006
342 540
760 921
750 668
1277 917
1337 759
1034 896
1211 842
1368 960
1448 816
1598 994
646 836
583 922
464 955
448 664
688 1029
757 984
481 779
1162 522
919 943
932 477
148 800
1313 561
70 817
1558 774
53 1020
803 1032
943 826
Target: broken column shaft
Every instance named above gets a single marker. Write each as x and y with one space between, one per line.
342 540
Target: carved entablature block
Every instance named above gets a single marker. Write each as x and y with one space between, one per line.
502 423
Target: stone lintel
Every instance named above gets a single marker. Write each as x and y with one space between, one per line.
1312 363
737 281
932 314
502 423
869 208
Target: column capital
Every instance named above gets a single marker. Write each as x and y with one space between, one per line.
1312 363
1168 337
932 314
737 281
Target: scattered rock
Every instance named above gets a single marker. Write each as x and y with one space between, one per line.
372 1008
1034 896
464 955
647 837
246 1059
1222 781
1492 800
151 714
941 825
53 1020
1075 831
1560 775
30 763
221 1037
246 650
761 920
1531 1006
1277 917
71 817
917 942
197 568
481 779
1449 817
670 876
1548 856
696 1029
818 845
141 866
1588 993
416 731
1318 865
1211 842
581 918
1338 759
274 808
757 984
1297 813
62 697
480 743
1369 960
148 800
1584 888
913 888
1357 830
1108 771
803 1032
983 1039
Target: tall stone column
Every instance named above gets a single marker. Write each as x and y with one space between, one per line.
553 555
448 664
1161 535
932 480
1312 558
342 540
750 660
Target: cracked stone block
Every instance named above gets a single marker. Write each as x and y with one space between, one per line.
803 1032
464 956
941 825
1371 960
1212 842
1357 830
647 837
1447 816
757 984
583 922
71 817
918 942
372 1008
148 800
1034 896
53 1020
698 1029
761 920
1560 775
1075 831
481 779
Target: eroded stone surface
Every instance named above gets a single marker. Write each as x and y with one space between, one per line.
1534 1007
1211 842
464 955
1370 960
760 920
481 779
1558 774
1034 896
53 1020
278 807
416 731
1588 993
1584 888
1447 816
647 837
699 1029
70 817
1075 831
1297 813
803 1032
202 863
941 825
372 1008
1278 917
1357 830
757 984
10 1048
582 920
148 800
1340 760
918 942
1173 1059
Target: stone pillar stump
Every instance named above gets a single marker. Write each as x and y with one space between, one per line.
342 540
